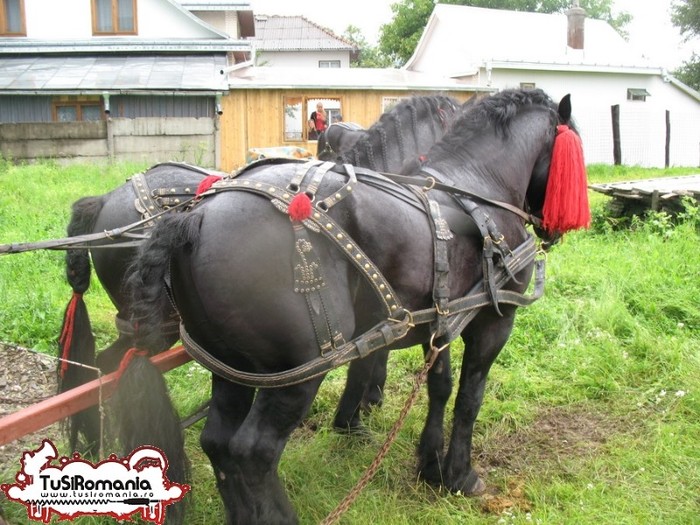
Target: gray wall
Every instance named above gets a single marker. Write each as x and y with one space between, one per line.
152 140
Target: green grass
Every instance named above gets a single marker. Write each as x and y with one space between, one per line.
591 411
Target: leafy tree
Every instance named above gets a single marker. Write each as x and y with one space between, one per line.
685 14
368 55
399 38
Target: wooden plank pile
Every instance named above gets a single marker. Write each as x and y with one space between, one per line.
638 196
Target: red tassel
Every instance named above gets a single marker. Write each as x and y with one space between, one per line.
566 198
206 184
66 337
128 356
300 207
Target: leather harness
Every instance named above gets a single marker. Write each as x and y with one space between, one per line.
447 318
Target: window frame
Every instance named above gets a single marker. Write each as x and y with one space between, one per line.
637 94
78 105
115 20
329 64
4 31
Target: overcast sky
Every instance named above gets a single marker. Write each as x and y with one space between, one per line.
651 30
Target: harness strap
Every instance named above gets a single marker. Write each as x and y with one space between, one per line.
432 183
383 334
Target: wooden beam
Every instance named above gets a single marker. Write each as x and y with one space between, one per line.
49 411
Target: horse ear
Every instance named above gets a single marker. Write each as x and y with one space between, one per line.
565 108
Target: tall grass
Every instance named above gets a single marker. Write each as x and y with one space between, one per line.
591 411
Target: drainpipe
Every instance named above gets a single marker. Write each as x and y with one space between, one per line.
110 131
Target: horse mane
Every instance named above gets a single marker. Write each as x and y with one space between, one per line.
400 126
499 110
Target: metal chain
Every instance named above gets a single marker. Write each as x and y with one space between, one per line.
344 505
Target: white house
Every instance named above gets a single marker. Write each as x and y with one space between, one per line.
138 79
294 41
569 53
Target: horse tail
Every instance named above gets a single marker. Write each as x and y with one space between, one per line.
76 342
143 408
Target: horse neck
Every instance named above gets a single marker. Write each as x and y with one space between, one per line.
495 165
401 134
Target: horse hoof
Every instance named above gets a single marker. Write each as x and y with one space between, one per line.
353 430
478 488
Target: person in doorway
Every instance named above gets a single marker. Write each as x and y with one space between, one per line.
317 122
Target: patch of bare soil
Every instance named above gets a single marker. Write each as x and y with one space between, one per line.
559 433
26 378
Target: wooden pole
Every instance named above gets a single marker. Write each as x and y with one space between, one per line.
667 161
617 147
43 414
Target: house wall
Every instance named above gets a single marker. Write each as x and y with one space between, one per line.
642 124
155 19
226 21
301 58
152 140
255 118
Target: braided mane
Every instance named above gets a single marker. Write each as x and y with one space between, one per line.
401 128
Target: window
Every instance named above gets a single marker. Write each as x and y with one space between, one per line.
527 85
111 17
297 113
12 18
328 63
637 94
73 111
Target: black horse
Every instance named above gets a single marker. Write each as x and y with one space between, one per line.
289 270
338 138
406 131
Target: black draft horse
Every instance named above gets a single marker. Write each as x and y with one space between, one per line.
338 138
279 277
409 129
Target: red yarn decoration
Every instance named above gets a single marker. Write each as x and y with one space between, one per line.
206 184
66 337
566 198
300 207
128 356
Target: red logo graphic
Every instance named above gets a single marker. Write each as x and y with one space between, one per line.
116 487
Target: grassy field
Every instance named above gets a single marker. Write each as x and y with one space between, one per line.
591 411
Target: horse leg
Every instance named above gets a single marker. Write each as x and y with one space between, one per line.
246 467
347 417
483 339
432 440
229 406
374 391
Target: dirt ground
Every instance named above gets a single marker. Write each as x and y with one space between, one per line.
25 378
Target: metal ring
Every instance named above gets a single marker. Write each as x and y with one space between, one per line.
431 184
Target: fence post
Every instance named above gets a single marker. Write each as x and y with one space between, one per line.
667 161
617 147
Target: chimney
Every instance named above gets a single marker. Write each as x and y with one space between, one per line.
576 17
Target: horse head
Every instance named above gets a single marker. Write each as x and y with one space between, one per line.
557 194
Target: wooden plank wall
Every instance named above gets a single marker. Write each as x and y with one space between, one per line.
253 118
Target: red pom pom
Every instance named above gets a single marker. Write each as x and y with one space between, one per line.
566 198
300 207
206 184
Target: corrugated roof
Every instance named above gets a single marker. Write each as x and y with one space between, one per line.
344 78
295 33
52 74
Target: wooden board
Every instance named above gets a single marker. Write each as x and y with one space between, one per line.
54 409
